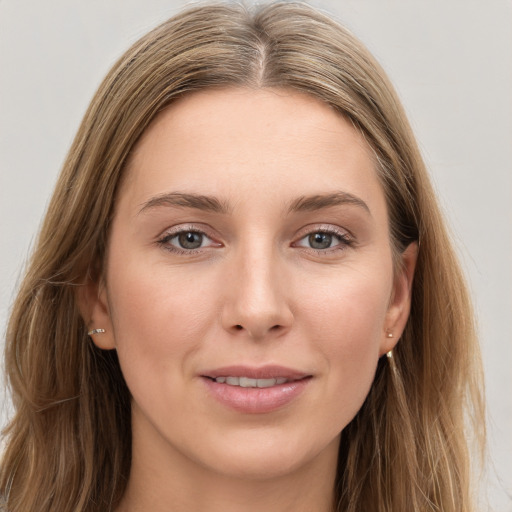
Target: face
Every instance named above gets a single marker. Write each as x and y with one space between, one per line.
249 287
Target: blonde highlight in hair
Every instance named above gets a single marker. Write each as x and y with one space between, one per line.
69 443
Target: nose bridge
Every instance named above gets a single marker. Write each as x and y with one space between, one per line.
257 301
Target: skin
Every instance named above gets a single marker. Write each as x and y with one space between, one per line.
255 293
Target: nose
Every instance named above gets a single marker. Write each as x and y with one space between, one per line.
256 297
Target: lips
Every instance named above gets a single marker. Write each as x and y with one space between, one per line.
255 390
263 372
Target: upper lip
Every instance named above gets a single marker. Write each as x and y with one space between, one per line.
262 372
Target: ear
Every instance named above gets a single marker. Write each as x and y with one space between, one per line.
94 308
400 304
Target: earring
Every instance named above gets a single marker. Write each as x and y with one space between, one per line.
390 353
95 331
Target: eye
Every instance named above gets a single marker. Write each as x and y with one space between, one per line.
186 240
323 240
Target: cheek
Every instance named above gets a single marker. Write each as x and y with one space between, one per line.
349 312
346 324
159 319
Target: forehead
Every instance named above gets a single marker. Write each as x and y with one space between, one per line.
245 143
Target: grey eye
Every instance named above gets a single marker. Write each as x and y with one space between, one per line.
190 240
320 240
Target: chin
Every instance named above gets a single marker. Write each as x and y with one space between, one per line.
269 457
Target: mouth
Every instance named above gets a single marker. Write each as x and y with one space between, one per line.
247 382
252 377
255 390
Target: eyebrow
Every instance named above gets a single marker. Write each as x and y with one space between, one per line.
214 205
320 201
197 201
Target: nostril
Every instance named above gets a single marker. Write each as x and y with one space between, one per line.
238 327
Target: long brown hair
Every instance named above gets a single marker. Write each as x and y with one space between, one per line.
68 446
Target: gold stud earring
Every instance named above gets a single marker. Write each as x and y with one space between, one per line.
390 353
95 331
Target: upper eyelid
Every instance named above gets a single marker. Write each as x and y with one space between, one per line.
183 228
324 228
202 228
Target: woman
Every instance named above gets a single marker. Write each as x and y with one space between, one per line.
243 296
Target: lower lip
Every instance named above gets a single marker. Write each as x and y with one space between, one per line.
256 400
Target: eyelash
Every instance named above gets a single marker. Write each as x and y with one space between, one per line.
167 237
345 240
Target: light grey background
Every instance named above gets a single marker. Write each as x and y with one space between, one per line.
451 61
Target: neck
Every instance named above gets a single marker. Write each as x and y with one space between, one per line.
167 481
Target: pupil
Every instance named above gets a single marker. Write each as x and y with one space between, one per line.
190 240
320 240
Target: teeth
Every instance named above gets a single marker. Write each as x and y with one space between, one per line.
266 383
246 382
